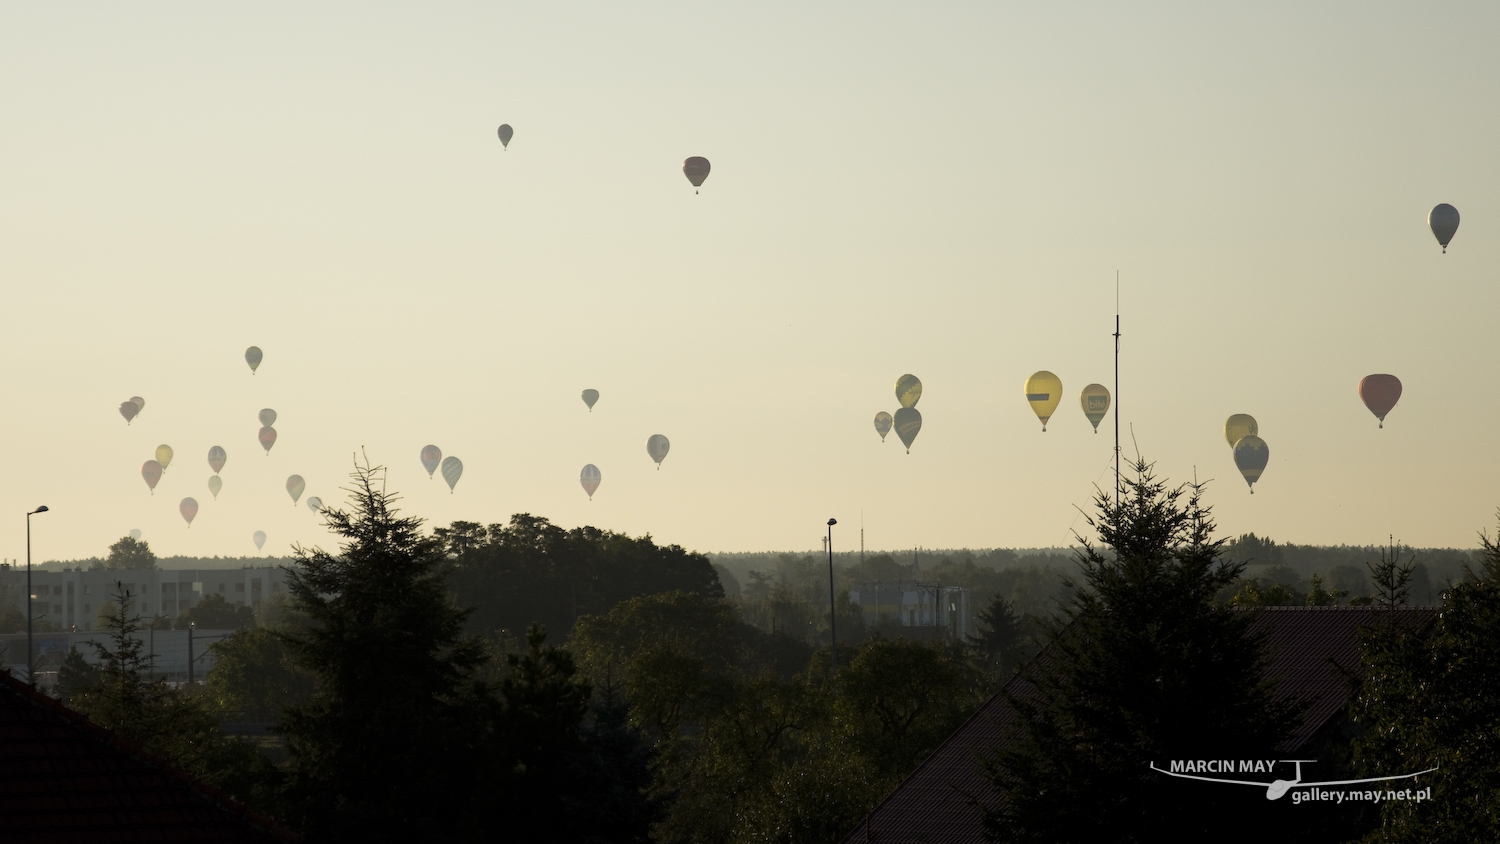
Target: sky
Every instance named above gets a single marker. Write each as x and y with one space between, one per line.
940 189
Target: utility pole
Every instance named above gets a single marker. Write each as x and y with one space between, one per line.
1117 389
30 600
191 625
833 631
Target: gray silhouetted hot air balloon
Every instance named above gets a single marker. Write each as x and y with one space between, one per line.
908 390
259 538
696 170
589 397
164 456
267 437
151 471
908 422
314 503
883 424
189 509
216 458
267 417
295 486
590 479
1380 394
1239 426
215 483
506 133
431 457
140 403
1443 220
253 357
1251 456
658 447
453 469
128 410
135 533
1095 400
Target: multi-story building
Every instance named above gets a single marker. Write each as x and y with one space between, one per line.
71 599
924 610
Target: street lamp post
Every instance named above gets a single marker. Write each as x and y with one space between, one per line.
30 599
833 630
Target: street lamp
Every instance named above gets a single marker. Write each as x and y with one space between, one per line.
833 630
30 599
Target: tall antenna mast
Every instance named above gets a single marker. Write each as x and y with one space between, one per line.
1117 388
862 538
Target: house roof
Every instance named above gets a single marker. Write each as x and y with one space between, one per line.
1308 646
64 779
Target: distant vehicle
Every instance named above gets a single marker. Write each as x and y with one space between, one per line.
908 424
253 357
431 457
1443 220
590 479
1043 393
1251 454
589 397
883 422
696 170
506 133
658 447
453 469
1380 394
1095 401
1239 426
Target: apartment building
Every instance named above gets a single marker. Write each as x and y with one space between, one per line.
925 610
70 600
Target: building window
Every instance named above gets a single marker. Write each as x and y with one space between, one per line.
88 607
57 608
87 589
239 587
221 588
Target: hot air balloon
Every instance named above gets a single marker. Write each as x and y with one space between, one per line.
253 357
295 487
696 170
189 509
267 417
658 447
215 483
453 469
151 471
128 410
1095 400
267 437
1238 426
1380 393
140 403
589 397
908 422
506 133
590 479
431 457
883 424
1043 391
216 457
135 533
908 390
259 538
314 503
1443 220
164 456
1251 456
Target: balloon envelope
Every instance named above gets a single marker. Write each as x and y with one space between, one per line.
135 533
267 417
1239 426
128 410
164 456
151 471
140 403
1251 456
908 422
883 423
295 486
215 483
908 390
1095 400
267 437
506 133
696 170
259 538
216 457
590 479
189 509
1043 392
658 447
253 357
431 457
1380 393
589 397
1443 220
314 503
453 469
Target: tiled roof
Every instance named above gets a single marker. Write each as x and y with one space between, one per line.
63 779
1307 646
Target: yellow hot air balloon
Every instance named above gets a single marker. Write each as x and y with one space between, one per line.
1239 426
883 423
164 456
1251 454
908 390
1095 400
1044 392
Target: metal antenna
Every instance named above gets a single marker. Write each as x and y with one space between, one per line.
1117 388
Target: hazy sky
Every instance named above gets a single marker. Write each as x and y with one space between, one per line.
941 189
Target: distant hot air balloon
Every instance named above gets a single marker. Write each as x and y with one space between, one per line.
267 417
128 410
253 357
140 403
506 133
216 457
215 483
431 457
1251 456
1095 400
1043 391
314 503
135 533
658 447
267 437
151 471
164 456
189 509
696 170
883 424
908 422
295 487
1443 220
1380 393
908 390
453 469
590 479
259 538
589 397
1239 426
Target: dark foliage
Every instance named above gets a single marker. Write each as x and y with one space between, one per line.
215 613
127 553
